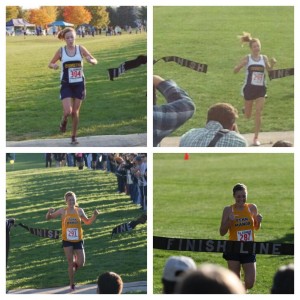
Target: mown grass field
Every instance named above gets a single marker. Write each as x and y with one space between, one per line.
33 107
36 262
189 197
209 35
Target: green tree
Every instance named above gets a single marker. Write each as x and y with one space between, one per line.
127 15
142 14
100 16
112 12
60 13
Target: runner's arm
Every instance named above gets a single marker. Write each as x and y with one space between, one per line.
257 218
85 219
88 56
56 57
242 64
52 214
269 63
226 220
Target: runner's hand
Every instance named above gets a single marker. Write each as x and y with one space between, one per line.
231 217
96 212
259 218
51 210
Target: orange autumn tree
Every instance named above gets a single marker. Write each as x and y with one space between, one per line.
76 15
40 17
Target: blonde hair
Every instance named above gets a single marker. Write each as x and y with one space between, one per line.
247 38
70 193
62 33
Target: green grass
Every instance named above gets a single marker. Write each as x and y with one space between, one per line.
33 108
189 197
40 263
209 35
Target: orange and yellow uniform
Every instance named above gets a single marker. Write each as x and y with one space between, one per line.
242 228
71 226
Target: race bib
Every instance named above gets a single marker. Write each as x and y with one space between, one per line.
75 75
257 78
244 236
72 234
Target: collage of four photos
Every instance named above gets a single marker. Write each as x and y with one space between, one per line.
82 127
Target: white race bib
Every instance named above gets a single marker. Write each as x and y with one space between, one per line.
257 78
72 234
245 236
75 75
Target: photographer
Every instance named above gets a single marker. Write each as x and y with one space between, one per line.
170 116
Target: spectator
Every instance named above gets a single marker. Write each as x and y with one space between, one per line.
170 116
109 283
174 268
220 130
141 174
9 223
121 174
283 282
48 160
209 279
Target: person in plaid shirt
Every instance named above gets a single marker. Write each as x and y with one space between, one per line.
170 116
220 130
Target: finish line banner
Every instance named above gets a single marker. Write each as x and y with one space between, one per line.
199 245
198 67
126 65
274 74
44 233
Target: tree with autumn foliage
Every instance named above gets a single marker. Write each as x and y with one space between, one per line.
77 15
42 16
100 16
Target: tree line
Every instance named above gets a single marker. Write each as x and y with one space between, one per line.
97 16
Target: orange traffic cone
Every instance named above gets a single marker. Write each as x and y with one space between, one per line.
186 156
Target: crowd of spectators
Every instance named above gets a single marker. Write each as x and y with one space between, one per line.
130 170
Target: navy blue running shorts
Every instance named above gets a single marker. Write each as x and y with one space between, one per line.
243 258
75 245
254 92
75 91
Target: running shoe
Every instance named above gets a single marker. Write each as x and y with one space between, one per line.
256 142
63 125
72 288
74 140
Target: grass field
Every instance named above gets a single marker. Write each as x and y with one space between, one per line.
33 108
39 262
189 197
209 35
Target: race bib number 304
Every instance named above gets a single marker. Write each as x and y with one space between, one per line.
72 234
245 236
75 75
257 78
